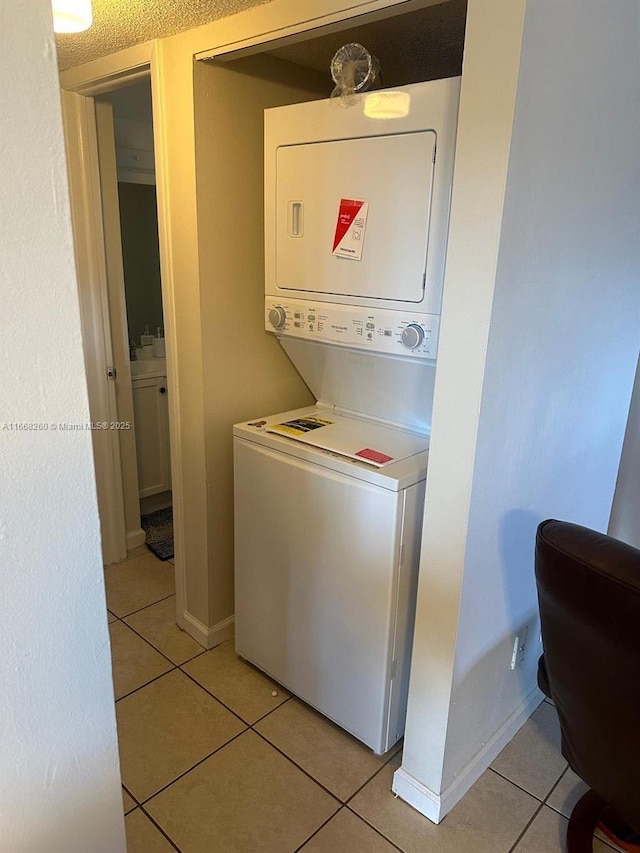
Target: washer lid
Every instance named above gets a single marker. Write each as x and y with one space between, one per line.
394 475
364 441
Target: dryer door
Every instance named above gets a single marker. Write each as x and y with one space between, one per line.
352 216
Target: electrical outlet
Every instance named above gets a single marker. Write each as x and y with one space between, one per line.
519 646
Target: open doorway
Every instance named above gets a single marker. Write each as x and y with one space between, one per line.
136 324
117 252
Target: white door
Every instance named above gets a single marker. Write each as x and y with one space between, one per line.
89 243
118 325
393 176
316 567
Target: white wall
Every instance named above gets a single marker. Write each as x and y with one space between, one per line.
246 373
60 783
489 79
560 360
564 336
625 515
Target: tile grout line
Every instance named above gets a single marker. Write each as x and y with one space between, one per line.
527 825
144 607
228 707
272 711
604 841
370 779
313 834
129 792
306 772
540 807
138 805
160 652
333 816
524 790
375 828
295 764
193 767
213 696
348 806
553 787
146 684
149 643
197 655
158 827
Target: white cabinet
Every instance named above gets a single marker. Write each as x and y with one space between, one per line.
152 434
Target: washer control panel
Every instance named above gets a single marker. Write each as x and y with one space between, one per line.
377 330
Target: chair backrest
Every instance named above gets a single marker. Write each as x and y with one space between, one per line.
589 596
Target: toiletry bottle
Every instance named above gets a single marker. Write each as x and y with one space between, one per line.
146 339
158 344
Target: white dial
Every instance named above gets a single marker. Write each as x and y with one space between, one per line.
412 336
277 316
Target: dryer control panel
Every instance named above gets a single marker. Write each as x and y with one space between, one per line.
376 330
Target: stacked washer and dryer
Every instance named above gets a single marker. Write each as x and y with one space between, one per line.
329 498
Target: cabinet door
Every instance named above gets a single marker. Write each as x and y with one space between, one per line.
152 435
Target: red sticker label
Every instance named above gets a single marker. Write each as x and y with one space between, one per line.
374 455
349 208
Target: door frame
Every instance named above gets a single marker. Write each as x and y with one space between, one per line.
79 89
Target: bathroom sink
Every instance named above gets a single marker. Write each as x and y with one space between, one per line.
148 367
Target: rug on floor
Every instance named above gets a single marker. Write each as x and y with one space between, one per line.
158 526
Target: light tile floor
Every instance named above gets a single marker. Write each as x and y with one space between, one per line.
216 758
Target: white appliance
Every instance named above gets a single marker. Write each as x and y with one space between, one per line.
321 160
329 499
326 556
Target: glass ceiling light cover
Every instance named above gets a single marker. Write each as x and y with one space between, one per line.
71 16
387 104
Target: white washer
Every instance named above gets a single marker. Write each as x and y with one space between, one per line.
326 563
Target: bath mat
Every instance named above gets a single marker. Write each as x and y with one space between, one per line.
158 526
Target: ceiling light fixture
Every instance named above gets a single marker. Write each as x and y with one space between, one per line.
387 105
71 16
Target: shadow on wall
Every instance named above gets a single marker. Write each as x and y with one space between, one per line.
517 535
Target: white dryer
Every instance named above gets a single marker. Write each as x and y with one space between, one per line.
357 216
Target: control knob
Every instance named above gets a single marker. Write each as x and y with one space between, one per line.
412 336
277 316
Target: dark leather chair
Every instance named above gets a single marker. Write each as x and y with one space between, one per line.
589 596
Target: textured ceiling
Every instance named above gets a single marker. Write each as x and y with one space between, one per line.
122 23
415 46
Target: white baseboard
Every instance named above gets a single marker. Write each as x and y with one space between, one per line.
135 538
437 806
208 637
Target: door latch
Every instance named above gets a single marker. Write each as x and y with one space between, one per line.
111 373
